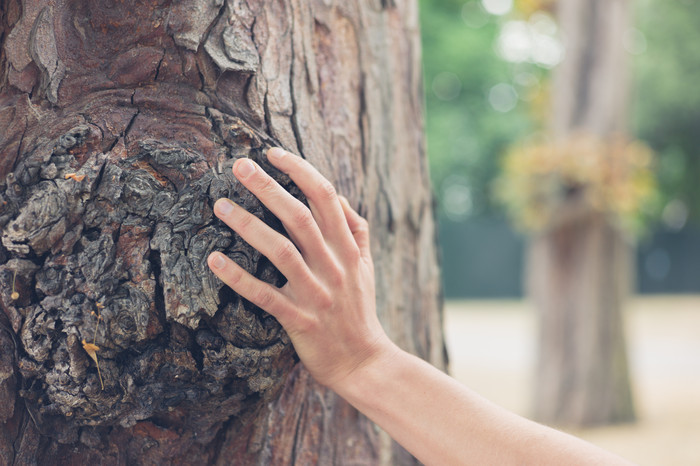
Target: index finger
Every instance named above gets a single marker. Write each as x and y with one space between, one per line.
320 193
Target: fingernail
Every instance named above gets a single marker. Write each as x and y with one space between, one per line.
224 206
245 168
218 261
275 154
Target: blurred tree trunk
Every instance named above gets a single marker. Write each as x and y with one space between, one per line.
119 123
580 268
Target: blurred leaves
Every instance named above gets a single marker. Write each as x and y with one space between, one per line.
666 107
528 7
541 180
479 104
474 102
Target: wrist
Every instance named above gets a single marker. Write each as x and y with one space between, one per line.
358 383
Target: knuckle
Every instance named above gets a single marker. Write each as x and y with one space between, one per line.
310 325
285 251
264 297
353 254
302 217
303 323
267 185
336 277
362 225
326 190
245 223
324 298
234 276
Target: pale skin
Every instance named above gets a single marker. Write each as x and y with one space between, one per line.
328 309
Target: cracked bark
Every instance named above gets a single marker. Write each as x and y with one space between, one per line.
118 128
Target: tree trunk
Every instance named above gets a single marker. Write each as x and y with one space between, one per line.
119 124
580 280
580 268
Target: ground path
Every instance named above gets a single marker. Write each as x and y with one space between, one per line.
492 349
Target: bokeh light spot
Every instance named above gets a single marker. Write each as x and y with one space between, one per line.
446 86
635 42
497 7
474 15
503 97
457 198
675 214
532 41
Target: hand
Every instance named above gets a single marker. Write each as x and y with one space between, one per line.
327 305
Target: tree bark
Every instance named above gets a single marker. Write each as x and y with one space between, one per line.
119 123
579 269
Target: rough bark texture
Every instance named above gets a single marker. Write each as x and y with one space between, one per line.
580 268
119 123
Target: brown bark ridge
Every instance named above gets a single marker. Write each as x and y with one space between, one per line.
580 268
119 123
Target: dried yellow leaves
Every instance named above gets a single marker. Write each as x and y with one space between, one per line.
14 296
75 176
91 348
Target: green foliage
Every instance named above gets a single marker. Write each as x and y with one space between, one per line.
666 107
466 135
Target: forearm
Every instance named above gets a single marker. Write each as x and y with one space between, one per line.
440 421
327 307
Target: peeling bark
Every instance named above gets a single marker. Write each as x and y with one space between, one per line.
119 124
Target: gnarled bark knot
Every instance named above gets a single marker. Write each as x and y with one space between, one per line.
121 229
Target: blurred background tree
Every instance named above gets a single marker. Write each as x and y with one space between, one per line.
487 69
579 259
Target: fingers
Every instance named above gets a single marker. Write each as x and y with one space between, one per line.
281 252
358 227
295 216
320 193
254 290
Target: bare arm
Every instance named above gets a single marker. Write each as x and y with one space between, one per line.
328 309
